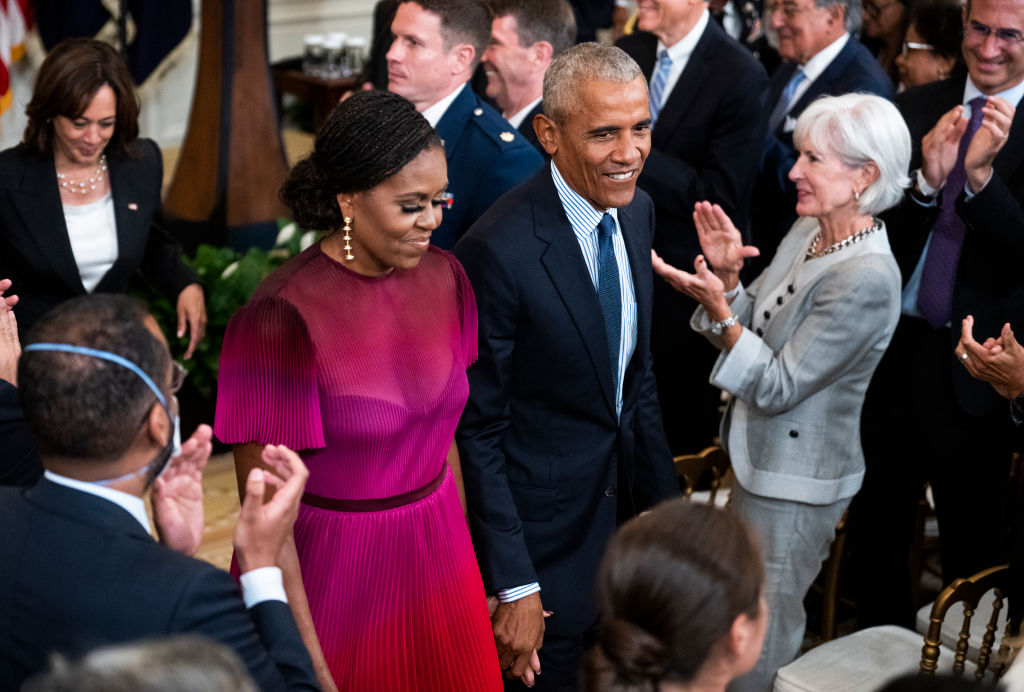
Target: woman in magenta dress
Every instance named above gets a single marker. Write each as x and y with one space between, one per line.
355 351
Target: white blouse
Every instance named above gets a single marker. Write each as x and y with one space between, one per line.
92 230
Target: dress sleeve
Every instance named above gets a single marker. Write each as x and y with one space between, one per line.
267 389
467 311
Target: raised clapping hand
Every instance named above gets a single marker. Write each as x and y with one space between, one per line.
10 345
939 147
178 495
998 361
987 142
264 524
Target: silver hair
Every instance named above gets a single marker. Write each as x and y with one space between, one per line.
581 63
860 129
852 15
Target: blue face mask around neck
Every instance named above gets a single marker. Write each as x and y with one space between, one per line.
173 447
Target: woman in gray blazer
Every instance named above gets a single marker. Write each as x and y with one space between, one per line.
799 345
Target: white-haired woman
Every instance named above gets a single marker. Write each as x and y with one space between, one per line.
799 345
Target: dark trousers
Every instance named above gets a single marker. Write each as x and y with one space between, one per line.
682 364
913 431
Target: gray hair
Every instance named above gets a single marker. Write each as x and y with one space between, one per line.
851 17
182 662
860 129
581 63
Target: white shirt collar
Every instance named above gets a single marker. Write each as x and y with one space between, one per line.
1013 95
680 51
434 113
130 503
583 217
813 68
517 119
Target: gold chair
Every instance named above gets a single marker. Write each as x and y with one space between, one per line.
867 660
711 462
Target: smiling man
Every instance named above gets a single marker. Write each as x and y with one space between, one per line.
526 35
959 249
821 56
562 435
437 45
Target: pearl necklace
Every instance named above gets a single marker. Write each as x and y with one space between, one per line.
812 251
84 188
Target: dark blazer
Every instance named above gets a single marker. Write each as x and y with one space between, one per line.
527 131
705 143
482 165
35 252
853 70
548 468
79 572
988 284
19 459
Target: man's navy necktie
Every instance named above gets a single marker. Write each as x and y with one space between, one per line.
935 295
608 292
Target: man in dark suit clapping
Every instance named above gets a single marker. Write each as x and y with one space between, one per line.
562 437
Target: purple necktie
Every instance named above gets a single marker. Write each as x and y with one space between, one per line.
935 295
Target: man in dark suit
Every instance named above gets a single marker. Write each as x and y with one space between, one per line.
79 568
821 56
437 45
562 436
744 21
708 98
19 464
526 35
958 246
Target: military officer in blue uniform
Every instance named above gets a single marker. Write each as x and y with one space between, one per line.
437 45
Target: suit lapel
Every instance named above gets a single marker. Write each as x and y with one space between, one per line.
453 122
823 83
563 261
640 268
680 100
38 203
1008 160
131 230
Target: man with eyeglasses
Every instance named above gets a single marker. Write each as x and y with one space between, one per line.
816 40
708 98
78 566
959 240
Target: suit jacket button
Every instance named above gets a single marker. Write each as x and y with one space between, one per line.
760 332
794 433
609 491
767 314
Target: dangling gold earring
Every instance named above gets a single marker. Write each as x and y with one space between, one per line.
348 238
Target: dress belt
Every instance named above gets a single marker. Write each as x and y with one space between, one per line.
375 505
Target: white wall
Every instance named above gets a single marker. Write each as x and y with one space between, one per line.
167 97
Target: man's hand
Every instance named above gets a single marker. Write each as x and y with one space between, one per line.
518 633
178 495
1000 362
264 525
10 345
987 142
939 147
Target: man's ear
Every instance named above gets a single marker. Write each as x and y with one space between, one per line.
157 425
461 58
541 53
547 133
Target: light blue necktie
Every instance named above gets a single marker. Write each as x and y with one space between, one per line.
659 82
608 290
785 100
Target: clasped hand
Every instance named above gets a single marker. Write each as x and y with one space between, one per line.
518 634
723 249
998 361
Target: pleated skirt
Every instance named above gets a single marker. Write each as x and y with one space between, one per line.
396 596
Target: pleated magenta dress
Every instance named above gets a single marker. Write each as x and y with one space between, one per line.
367 376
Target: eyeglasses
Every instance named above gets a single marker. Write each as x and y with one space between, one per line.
873 10
910 45
177 376
789 10
979 32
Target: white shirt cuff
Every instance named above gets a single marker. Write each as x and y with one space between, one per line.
517 592
263 584
922 185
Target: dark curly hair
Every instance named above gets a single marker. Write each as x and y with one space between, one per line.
368 138
671 584
67 82
940 24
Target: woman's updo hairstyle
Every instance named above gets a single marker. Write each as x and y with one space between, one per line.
369 137
671 584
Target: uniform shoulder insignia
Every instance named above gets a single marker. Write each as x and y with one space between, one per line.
507 136
478 111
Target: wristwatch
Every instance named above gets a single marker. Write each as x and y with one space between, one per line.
718 327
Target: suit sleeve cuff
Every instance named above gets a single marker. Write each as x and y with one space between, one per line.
517 592
263 584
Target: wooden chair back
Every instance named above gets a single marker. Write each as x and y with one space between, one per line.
712 462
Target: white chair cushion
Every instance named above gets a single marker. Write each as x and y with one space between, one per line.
954 619
860 662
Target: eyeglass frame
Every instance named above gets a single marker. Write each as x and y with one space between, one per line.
178 375
980 32
913 45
